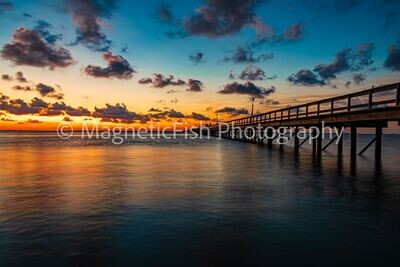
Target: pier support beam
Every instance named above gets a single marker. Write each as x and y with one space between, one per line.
314 142
353 143
319 141
296 140
270 133
340 144
378 143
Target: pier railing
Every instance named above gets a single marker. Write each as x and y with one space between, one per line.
363 100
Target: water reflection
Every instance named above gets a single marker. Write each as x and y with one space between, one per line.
200 203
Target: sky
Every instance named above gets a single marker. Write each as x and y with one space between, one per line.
121 62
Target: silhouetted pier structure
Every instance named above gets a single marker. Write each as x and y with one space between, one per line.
372 108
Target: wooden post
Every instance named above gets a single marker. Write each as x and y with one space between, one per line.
340 145
314 142
378 142
398 95
332 106
349 103
353 143
269 135
319 141
296 140
370 99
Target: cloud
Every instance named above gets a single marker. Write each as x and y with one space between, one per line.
160 81
243 55
306 77
155 110
349 59
197 57
19 76
28 48
392 61
270 102
172 91
87 16
233 111
216 18
267 35
175 114
5 5
164 13
194 85
118 67
252 73
199 117
59 108
247 89
43 27
6 77
67 119
359 78
43 89
19 106
118 114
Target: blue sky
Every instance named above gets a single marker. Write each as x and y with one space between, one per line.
325 28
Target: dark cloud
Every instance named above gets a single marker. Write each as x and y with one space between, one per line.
164 13
194 85
60 108
175 114
233 111
87 16
43 27
392 61
5 5
198 116
247 89
160 81
340 64
243 55
217 18
270 102
155 110
197 57
252 73
359 78
358 59
39 107
172 91
118 67
6 77
48 91
266 35
67 119
22 88
28 48
306 77
119 114
20 107
124 49
19 76
43 89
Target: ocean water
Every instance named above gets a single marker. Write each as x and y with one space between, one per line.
195 203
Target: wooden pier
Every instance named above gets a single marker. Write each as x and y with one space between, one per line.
372 108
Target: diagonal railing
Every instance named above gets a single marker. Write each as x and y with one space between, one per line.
339 104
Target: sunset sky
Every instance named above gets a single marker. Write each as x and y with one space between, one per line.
137 62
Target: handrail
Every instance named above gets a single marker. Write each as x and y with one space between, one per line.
298 111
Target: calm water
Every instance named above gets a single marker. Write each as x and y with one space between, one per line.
194 203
